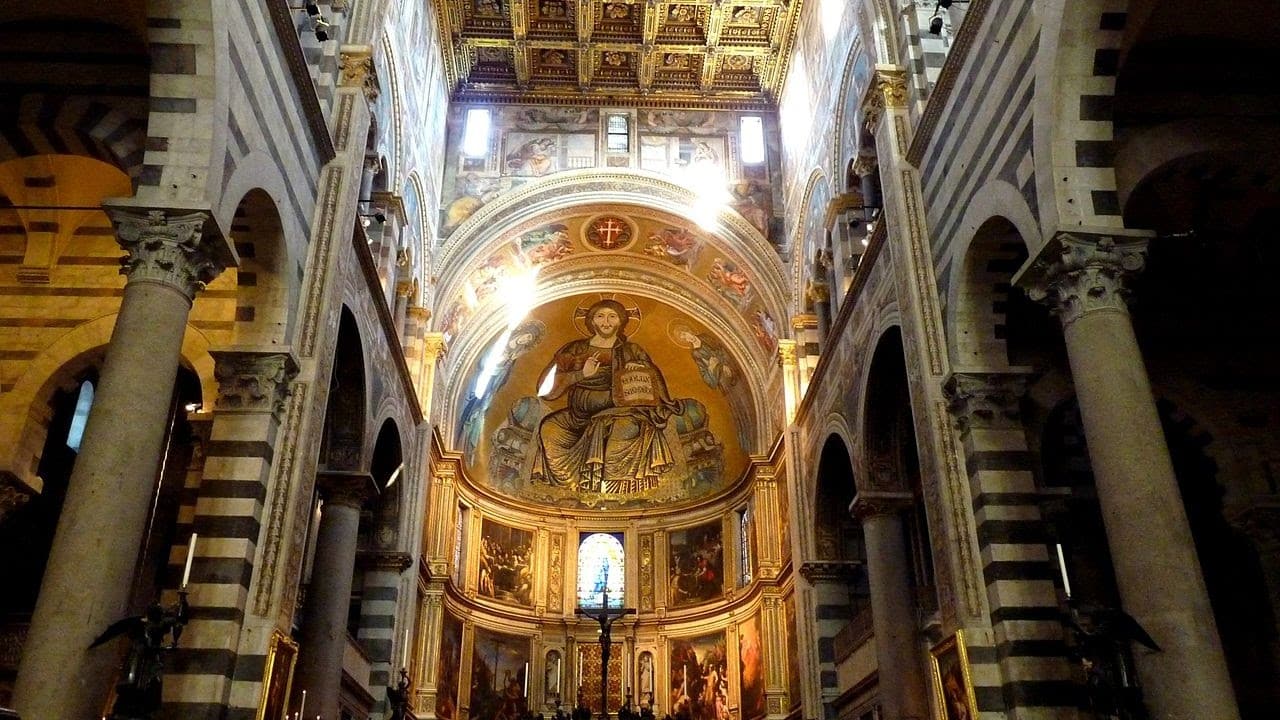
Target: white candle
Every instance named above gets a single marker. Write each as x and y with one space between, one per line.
404 662
191 555
1062 567
524 682
303 706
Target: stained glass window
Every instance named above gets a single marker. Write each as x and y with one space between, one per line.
601 568
744 546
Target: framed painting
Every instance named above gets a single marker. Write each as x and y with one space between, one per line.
952 684
277 677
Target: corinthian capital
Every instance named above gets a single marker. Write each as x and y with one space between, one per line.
985 400
1077 274
167 249
253 381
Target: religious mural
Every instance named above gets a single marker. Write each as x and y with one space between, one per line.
696 564
751 665
607 401
529 143
793 651
499 676
506 563
450 667
699 687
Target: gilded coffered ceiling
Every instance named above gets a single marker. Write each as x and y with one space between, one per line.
717 53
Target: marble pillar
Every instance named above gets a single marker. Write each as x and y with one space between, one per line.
903 692
90 575
324 627
1083 279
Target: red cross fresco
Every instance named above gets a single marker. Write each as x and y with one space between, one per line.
609 233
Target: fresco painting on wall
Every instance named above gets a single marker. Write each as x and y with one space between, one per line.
450 668
506 563
538 154
793 652
699 687
498 682
751 664
681 153
678 245
696 562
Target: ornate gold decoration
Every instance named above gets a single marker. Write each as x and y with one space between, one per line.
721 54
646 573
355 65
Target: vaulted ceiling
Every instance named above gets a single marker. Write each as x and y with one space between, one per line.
715 53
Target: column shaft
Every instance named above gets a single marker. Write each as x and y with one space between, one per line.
1158 574
903 692
328 598
1155 560
90 573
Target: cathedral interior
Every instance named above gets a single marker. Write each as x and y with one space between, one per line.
714 359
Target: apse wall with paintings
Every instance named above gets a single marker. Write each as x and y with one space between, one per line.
506 563
499 675
527 143
696 564
450 667
751 667
699 683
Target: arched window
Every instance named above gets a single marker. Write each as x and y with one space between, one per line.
601 567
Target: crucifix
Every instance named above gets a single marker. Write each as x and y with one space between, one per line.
606 618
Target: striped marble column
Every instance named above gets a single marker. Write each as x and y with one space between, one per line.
253 384
1017 567
379 608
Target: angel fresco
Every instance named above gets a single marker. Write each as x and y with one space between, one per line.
609 438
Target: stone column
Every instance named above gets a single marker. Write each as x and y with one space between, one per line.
1082 277
95 551
404 289
903 692
324 627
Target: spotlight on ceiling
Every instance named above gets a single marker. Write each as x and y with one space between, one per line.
313 9
322 28
935 26
945 3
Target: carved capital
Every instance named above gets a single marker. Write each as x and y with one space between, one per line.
355 64
891 86
253 380
869 503
433 345
787 352
865 164
1077 274
13 494
817 292
347 489
985 400
166 248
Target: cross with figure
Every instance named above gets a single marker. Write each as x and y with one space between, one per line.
606 617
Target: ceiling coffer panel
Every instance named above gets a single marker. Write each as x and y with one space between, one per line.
709 53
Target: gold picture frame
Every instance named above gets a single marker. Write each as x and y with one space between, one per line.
952 683
277 677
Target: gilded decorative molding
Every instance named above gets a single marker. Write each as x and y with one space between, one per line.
166 249
1076 274
646 573
253 380
786 352
985 400
870 503
555 574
